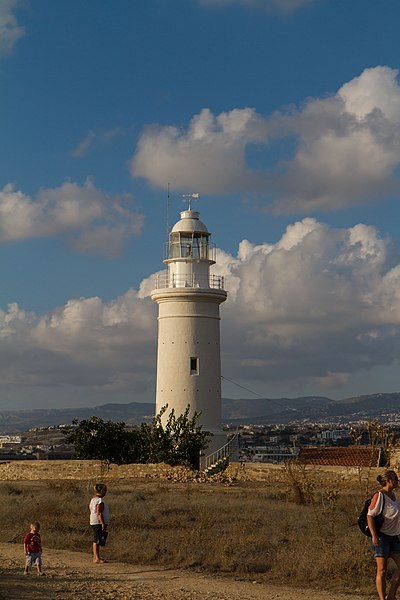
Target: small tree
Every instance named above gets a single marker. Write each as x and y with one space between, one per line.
95 439
179 442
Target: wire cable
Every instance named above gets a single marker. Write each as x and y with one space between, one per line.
263 397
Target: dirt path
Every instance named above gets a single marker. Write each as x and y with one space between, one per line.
73 576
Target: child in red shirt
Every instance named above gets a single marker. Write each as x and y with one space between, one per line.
33 548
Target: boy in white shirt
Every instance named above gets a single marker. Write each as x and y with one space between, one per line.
99 519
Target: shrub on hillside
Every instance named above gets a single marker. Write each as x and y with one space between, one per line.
95 439
180 441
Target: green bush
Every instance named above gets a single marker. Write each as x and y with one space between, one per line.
179 442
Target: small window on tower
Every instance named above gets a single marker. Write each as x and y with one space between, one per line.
194 365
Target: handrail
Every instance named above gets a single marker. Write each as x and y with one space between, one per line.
224 452
189 280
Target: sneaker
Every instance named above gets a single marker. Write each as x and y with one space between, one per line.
25 572
40 573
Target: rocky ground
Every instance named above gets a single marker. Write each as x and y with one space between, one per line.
72 575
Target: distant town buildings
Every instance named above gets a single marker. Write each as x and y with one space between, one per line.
311 443
9 440
334 434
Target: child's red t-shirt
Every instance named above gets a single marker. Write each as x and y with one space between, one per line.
33 542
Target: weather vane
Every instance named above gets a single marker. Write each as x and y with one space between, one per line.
190 198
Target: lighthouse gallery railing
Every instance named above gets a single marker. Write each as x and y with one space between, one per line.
189 280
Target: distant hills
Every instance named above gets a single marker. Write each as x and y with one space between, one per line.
314 408
272 410
22 420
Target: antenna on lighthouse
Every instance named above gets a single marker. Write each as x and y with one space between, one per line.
190 198
168 206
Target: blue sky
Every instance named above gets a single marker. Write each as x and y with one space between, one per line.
283 114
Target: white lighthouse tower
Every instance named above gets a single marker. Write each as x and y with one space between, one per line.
188 297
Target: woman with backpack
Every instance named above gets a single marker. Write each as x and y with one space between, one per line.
385 541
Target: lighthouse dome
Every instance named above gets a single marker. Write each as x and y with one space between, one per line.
189 223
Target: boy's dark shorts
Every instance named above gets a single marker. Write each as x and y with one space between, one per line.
96 530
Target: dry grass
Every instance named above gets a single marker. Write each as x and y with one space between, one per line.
252 529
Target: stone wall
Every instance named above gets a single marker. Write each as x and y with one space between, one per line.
90 469
75 469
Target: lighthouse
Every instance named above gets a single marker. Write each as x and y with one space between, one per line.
189 354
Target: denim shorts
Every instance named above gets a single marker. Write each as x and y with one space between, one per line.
34 558
388 544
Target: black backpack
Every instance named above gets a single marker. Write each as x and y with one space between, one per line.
362 518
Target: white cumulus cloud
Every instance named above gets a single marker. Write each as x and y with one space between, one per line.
209 155
342 150
92 220
87 343
10 30
318 306
348 146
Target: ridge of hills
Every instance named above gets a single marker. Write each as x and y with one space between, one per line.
239 411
